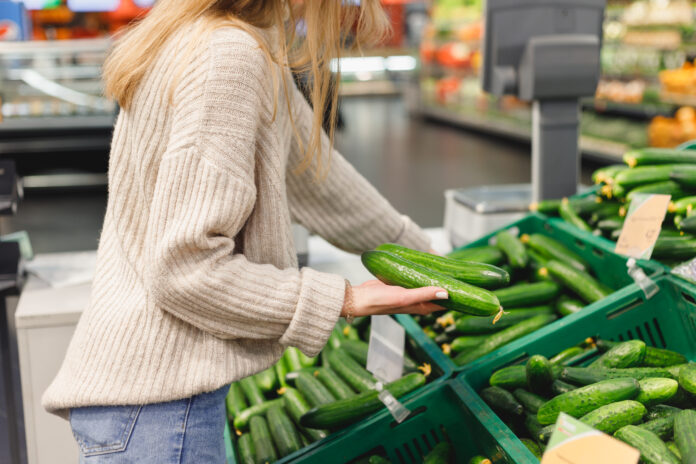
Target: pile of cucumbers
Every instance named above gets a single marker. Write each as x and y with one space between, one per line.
442 453
647 170
301 400
642 395
548 280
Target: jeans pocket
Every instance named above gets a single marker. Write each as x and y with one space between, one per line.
103 429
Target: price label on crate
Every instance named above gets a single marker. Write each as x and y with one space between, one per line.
573 442
642 225
385 359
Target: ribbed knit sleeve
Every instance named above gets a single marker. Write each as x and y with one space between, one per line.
204 194
344 208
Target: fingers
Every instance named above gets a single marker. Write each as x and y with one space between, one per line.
420 295
419 308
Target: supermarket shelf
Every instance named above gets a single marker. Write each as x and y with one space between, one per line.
591 148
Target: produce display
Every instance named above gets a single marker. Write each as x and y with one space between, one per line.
529 282
442 453
648 170
642 395
301 400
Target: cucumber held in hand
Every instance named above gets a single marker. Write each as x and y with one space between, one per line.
652 449
612 417
579 402
479 274
513 248
586 286
345 412
463 297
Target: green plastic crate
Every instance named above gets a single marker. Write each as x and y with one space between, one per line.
445 411
668 320
441 372
609 268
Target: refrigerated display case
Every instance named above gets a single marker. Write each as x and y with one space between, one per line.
53 112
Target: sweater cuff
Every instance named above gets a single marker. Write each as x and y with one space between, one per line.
413 236
318 309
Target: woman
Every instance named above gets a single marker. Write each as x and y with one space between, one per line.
214 153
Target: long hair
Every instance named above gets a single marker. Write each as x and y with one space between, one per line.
327 24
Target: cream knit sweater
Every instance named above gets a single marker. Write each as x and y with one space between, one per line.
197 282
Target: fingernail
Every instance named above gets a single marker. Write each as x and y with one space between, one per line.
441 295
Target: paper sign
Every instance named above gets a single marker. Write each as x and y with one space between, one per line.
642 225
573 442
385 356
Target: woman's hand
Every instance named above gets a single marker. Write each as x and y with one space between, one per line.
375 298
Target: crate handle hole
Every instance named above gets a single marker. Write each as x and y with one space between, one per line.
624 309
598 252
548 227
689 298
579 243
419 410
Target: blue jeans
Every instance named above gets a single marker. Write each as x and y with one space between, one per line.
178 432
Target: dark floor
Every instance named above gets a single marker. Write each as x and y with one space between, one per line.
409 160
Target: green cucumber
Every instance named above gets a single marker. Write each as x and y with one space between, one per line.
607 173
625 354
241 420
466 342
533 447
581 375
509 377
251 390
632 178
513 248
682 206
674 449
291 377
297 406
283 432
501 401
479 460
571 216
548 207
265 451
334 339
687 378
338 388
306 361
356 376
581 283
524 294
473 325
654 357
347 330
585 375
558 387
608 210
668 187
652 449
662 427
357 349
585 399
688 224
312 389
565 306
685 435
281 370
505 336
442 453
478 274
566 355
674 248
345 412
266 380
376 459
682 399
245 449
610 224
463 297
660 411
655 390
530 401
615 191
545 433
292 359
234 401
539 374
611 417
685 176
484 254
532 425
553 249
652 156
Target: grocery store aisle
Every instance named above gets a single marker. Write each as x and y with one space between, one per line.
409 160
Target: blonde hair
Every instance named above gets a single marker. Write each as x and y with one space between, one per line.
328 25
